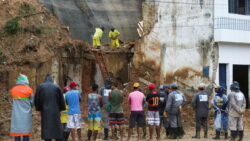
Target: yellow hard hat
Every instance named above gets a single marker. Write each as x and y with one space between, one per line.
136 85
216 86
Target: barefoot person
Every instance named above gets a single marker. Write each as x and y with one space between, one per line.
136 100
153 99
116 116
94 113
73 98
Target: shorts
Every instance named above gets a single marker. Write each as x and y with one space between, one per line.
94 121
136 117
116 119
74 121
153 118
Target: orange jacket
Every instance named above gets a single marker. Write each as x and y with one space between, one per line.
21 92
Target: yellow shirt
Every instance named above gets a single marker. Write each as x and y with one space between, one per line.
98 33
64 114
114 34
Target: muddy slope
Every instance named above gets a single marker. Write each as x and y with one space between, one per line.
82 16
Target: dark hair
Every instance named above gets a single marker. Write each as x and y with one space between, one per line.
174 88
201 88
94 87
115 84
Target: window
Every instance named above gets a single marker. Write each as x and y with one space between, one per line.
205 71
239 7
223 75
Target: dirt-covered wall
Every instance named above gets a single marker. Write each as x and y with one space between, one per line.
179 43
69 66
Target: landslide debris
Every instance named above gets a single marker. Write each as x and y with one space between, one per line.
29 33
29 36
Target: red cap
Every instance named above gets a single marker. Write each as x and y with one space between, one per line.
151 86
72 84
66 88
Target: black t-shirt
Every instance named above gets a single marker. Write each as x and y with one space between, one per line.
153 100
163 101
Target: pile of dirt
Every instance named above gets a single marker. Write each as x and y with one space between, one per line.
30 34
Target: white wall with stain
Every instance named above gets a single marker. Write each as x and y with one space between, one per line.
75 74
55 70
181 38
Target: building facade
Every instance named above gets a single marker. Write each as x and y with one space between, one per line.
232 35
195 41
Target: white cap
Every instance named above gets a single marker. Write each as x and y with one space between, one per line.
202 85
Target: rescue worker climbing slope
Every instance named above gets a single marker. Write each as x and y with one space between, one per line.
113 35
200 103
176 100
236 106
97 38
219 103
21 119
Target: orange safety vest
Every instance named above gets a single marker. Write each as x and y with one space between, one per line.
21 92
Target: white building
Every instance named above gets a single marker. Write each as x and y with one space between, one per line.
193 41
232 34
178 45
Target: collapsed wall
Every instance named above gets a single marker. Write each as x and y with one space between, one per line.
178 44
34 43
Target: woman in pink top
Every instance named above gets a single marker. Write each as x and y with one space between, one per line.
136 101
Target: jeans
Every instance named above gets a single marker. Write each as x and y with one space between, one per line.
25 138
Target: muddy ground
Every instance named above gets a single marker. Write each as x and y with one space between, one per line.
188 136
35 43
188 123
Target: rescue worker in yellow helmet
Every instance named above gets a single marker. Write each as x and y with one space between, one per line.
98 37
113 35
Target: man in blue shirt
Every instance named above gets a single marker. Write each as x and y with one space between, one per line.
73 99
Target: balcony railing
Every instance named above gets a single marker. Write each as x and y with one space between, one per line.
232 23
